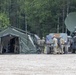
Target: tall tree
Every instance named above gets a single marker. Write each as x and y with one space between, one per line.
38 16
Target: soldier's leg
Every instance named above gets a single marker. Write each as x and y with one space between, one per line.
54 49
66 49
62 49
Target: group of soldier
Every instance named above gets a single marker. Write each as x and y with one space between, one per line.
57 47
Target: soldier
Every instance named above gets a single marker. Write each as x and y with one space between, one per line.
43 39
55 42
42 44
62 44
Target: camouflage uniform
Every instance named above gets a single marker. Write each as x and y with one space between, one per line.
62 45
55 42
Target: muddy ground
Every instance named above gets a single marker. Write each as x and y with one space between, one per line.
34 64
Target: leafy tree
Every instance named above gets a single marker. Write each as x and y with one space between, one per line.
4 21
41 16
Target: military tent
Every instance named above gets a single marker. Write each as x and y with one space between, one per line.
14 40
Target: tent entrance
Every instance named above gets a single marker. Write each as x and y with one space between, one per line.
10 44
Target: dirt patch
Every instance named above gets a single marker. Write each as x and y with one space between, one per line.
41 64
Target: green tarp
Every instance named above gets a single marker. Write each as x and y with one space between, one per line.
26 46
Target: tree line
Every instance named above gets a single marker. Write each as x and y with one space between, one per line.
40 16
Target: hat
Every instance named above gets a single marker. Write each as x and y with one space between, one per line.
54 36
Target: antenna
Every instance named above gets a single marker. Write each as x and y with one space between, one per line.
58 26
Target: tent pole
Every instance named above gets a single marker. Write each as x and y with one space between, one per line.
1 46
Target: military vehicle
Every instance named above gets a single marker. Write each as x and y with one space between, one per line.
49 41
70 23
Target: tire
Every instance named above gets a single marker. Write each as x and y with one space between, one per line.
48 50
